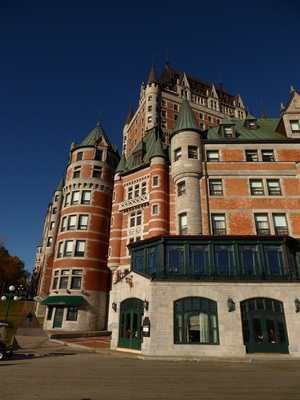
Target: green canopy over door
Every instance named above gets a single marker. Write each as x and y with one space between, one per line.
63 301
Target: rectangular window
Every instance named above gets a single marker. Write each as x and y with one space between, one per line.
67 201
262 224
72 314
294 126
63 224
192 152
52 225
54 210
251 155
183 224
86 197
79 156
136 190
98 155
56 197
175 107
163 124
55 281
273 187
256 187
97 172
215 187
72 222
139 218
174 259
76 282
181 189
224 260
267 155
75 198
248 257
177 154
49 241
83 222
280 225
130 193
76 173
155 209
212 155
155 181
144 188
228 132
63 283
59 250
49 314
218 224
80 248
68 248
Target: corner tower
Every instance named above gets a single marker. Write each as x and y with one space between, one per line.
187 171
80 275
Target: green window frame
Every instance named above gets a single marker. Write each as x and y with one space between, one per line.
196 321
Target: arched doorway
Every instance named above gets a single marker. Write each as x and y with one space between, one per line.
130 330
264 327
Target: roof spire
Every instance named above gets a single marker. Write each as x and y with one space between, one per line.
152 76
167 60
129 115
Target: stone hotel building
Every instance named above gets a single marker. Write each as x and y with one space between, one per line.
187 244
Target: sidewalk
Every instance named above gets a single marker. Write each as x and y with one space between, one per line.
34 341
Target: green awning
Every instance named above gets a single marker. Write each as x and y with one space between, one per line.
63 301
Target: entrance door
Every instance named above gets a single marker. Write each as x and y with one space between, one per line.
264 328
58 317
130 331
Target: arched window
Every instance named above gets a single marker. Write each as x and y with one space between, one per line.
195 321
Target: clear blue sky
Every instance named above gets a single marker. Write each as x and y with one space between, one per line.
62 61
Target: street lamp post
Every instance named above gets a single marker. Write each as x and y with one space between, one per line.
11 289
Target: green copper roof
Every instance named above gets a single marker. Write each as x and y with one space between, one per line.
265 131
250 117
186 119
121 165
158 150
94 136
149 148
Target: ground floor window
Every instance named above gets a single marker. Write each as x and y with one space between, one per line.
195 321
72 313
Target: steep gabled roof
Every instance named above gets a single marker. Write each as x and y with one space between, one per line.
121 165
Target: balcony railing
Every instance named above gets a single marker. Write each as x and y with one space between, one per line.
134 202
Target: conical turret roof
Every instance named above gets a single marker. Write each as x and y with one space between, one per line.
121 165
60 185
152 76
186 119
129 115
158 150
94 136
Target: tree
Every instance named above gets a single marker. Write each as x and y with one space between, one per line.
12 270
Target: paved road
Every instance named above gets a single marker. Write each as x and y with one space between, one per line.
92 376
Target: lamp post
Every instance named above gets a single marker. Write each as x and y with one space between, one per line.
11 289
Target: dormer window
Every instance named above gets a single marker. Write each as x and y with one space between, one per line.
250 122
294 126
227 131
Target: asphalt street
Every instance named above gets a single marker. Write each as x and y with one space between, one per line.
72 375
